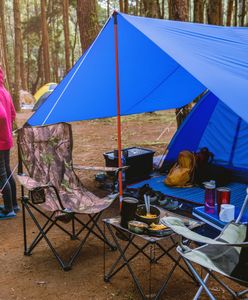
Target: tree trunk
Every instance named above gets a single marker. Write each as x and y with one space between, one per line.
170 9
108 8
4 45
121 5
2 58
18 39
39 71
162 9
17 86
198 11
242 12
66 33
88 22
236 13
215 12
28 49
137 4
229 13
178 10
126 6
151 8
24 84
141 9
45 41
74 43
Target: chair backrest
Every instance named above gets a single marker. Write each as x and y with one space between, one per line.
231 261
237 233
46 152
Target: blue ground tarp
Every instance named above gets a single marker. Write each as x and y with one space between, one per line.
163 64
193 194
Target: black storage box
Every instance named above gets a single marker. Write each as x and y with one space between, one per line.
139 160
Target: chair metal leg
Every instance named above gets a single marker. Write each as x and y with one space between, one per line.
55 253
227 288
76 253
241 293
49 218
45 227
201 281
176 261
198 294
24 227
101 235
43 230
73 236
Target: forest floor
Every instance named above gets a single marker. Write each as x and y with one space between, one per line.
39 276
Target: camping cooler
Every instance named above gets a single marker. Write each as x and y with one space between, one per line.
139 160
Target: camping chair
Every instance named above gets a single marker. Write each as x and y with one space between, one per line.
226 255
55 191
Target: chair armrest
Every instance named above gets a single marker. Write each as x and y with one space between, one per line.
29 183
178 227
105 169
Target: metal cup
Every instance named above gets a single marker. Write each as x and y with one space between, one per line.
128 210
223 196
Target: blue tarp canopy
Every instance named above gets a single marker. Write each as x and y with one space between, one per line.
163 64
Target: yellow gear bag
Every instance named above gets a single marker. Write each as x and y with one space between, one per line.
182 172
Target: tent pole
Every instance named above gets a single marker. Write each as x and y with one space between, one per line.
118 104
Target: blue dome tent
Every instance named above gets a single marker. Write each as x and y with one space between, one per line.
214 125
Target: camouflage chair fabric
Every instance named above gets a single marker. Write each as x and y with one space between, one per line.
46 152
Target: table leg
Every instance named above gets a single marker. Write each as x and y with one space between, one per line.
136 281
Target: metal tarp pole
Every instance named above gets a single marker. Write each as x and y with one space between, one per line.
118 103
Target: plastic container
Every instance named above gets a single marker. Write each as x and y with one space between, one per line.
209 197
139 160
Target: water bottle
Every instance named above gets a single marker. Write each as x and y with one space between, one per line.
209 196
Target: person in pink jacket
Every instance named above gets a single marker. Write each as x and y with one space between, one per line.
7 182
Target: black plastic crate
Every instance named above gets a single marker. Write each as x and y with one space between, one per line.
139 160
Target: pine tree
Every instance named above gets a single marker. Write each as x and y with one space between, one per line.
45 41
88 22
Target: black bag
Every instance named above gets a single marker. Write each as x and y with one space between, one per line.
221 175
206 171
203 159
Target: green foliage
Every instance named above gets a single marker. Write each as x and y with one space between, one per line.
31 26
73 3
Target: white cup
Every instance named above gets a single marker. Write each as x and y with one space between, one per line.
227 212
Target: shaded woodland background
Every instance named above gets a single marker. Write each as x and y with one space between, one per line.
40 40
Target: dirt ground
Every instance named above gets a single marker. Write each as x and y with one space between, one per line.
40 277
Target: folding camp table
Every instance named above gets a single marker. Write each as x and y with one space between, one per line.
125 256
